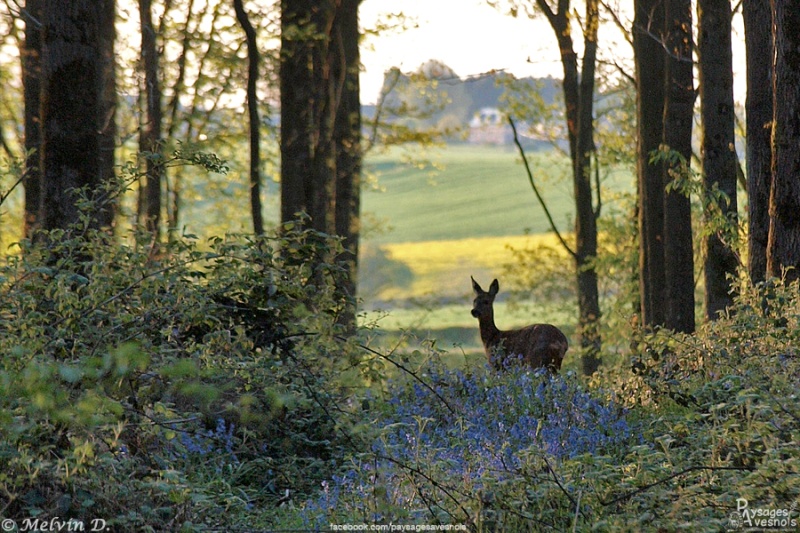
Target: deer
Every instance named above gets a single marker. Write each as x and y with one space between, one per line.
537 345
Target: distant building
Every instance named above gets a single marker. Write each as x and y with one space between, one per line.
489 126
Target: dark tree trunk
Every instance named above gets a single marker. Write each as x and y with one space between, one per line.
31 78
758 109
579 102
150 135
678 117
717 146
649 59
309 100
783 249
70 108
348 151
254 121
586 217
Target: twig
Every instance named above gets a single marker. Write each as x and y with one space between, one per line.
406 370
436 484
536 190
14 186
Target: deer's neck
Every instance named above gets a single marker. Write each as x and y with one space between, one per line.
490 335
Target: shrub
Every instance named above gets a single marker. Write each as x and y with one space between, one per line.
156 391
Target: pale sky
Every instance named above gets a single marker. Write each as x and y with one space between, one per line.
469 36
472 37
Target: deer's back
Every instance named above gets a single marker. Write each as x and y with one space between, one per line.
539 345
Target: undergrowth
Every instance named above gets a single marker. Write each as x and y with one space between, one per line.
212 386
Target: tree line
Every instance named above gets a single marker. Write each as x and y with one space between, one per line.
300 59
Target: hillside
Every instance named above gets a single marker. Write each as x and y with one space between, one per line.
478 192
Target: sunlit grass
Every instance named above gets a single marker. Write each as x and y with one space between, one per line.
441 269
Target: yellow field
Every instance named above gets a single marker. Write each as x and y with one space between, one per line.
443 268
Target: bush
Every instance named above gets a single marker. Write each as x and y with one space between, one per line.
158 391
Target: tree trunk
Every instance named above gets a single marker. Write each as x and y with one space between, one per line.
31 79
586 217
255 122
579 103
150 136
347 134
309 100
678 117
717 148
649 58
758 108
783 248
70 107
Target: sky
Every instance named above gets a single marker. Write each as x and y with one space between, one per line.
469 36
472 37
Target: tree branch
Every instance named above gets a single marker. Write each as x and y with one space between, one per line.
536 190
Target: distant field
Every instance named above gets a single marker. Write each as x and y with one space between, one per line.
439 269
480 191
424 288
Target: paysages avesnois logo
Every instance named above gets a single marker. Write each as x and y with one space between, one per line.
770 518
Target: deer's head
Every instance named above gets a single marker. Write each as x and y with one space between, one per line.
483 302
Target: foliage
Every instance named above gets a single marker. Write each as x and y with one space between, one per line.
168 389
450 442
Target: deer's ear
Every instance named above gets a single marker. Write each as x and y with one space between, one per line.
494 287
475 286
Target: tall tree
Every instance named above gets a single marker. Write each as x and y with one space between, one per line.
783 248
649 59
253 118
321 126
31 79
717 150
70 109
678 117
150 141
347 135
663 55
758 109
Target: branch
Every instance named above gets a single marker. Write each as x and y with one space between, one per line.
406 370
536 190
631 494
380 107
621 26
5 195
660 40
620 70
429 479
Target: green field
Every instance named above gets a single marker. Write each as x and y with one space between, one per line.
478 191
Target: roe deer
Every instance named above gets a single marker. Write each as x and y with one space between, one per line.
538 345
